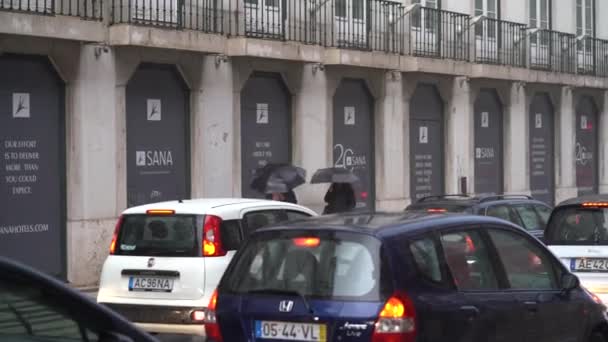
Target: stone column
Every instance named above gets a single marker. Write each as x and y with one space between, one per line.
312 147
93 134
392 179
213 133
460 137
516 141
565 147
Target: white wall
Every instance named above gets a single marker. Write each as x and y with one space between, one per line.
564 16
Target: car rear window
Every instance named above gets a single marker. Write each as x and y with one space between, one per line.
578 225
171 236
326 265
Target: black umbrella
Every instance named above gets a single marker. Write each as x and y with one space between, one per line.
334 175
278 178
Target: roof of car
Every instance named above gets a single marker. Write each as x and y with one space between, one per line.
387 224
203 206
468 201
586 198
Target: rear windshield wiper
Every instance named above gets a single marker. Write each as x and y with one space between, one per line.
280 292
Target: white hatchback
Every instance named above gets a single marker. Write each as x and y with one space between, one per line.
166 259
577 233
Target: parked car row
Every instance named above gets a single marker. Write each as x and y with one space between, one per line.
450 267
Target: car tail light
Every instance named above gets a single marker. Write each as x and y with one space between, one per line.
436 210
115 236
396 322
307 241
212 242
595 204
160 212
212 329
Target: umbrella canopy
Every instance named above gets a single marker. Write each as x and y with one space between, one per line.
334 175
278 178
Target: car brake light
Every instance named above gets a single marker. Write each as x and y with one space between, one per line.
160 212
595 204
470 244
212 328
436 210
115 236
396 322
212 243
307 241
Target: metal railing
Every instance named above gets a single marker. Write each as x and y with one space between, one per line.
552 51
439 34
85 9
500 42
601 59
200 15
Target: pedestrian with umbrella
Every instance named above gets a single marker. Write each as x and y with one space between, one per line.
277 181
340 196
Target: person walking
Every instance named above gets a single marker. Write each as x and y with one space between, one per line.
340 197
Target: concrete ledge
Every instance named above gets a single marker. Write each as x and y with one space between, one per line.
131 35
58 27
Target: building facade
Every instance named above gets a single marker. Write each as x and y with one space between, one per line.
106 105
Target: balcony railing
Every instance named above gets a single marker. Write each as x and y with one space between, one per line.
500 42
200 15
552 51
439 34
85 9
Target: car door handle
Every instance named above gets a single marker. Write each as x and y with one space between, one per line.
470 310
531 306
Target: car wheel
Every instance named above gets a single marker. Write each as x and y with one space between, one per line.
597 337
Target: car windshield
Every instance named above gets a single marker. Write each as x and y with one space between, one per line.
145 235
577 225
324 265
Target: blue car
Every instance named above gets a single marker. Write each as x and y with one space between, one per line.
401 277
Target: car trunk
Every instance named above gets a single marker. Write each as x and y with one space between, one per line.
304 286
156 257
176 278
246 318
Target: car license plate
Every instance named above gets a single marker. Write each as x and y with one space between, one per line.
156 284
589 265
289 331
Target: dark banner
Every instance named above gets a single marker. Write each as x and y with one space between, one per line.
488 143
158 128
32 221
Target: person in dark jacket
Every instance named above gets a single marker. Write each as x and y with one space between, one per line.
340 197
289 196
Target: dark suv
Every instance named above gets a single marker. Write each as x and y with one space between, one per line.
521 210
401 277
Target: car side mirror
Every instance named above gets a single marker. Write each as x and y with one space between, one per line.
569 282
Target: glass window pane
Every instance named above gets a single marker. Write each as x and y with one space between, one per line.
588 18
272 3
525 264
544 213
579 15
478 6
533 14
468 261
358 9
341 8
544 12
426 259
258 219
529 218
503 212
491 5
431 3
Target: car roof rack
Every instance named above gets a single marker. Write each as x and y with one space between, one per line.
447 196
503 197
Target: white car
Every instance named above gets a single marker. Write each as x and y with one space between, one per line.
577 233
166 259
